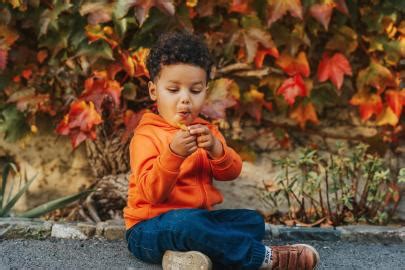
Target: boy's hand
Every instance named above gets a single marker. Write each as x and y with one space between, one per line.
207 141
183 144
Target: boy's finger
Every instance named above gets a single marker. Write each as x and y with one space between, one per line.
204 145
199 130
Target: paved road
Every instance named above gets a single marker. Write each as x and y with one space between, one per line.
95 254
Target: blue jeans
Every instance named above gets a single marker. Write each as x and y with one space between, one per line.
231 238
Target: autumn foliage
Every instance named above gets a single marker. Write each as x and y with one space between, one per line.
83 62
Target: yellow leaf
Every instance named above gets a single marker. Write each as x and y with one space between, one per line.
388 117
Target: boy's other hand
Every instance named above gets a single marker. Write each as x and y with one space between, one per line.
207 141
183 143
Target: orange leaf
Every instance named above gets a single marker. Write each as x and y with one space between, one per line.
322 13
95 32
334 68
387 117
128 63
278 9
304 113
41 56
395 99
293 66
261 54
369 104
140 62
291 88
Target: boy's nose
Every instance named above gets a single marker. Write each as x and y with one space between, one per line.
185 99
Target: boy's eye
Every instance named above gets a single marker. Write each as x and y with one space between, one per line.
196 90
172 89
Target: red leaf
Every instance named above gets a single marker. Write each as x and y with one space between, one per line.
131 121
322 13
239 6
293 66
80 122
291 88
341 6
3 58
278 9
396 100
334 68
223 94
99 87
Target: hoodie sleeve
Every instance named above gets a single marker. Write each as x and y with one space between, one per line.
227 167
154 171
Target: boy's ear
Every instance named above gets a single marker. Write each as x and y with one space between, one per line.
152 90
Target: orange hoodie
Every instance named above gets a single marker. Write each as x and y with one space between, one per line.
161 181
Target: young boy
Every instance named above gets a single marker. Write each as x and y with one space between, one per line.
174 156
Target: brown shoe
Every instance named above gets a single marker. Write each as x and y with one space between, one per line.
191 260
294 257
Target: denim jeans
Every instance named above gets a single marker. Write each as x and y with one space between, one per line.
232 238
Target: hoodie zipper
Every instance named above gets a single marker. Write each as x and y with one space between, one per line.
201 166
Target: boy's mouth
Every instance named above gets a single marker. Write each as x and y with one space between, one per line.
184 114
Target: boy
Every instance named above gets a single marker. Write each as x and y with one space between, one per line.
174 155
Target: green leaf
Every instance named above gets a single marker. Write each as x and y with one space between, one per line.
96 50
4 211
12 123
54 204
49 18
6 171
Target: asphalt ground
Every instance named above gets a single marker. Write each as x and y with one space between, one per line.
55 253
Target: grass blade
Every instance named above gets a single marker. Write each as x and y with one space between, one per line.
4 211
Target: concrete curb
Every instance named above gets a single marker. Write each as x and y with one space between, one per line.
11 228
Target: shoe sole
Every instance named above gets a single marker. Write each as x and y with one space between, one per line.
191 260
313 250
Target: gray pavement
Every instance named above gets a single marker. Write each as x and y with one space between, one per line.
56 253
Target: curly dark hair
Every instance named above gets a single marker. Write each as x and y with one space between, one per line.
178 47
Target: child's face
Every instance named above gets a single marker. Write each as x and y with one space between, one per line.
179 91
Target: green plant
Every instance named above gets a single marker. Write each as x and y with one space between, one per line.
7 201
348 186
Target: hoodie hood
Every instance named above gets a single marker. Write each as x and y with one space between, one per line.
155 120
